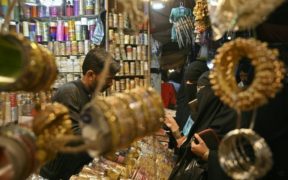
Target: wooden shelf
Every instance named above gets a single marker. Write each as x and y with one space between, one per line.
119 76
59 17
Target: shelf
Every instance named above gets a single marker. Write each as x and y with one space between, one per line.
128 30
129 76
133 45
69 55
130 60
58 18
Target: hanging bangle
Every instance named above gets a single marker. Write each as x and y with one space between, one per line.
177 134
269 72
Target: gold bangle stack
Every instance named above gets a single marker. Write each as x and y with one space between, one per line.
129 115
36 62
269 73
49 125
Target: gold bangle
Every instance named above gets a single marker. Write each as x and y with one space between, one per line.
112 121
267 77
151 107
136 111
149 126
52 123
126 123
177 134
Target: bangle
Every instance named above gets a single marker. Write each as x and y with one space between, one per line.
268 74
206 155
177 134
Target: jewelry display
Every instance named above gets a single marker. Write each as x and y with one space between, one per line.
123 117
235 15
243 154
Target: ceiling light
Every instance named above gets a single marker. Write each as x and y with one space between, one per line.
157 5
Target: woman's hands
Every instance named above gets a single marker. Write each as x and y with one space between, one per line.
201 148
171 123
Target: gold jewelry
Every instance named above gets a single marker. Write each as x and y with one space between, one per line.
126 123
37 62
49 125
267 76
151 107
148 125
112 121
177 134
135 111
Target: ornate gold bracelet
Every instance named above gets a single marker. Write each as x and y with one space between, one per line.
49 125
126 123
112 121
149 126
136 112
267 76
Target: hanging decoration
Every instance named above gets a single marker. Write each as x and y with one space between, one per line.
184 31
243 154
181 18
201 22
234 15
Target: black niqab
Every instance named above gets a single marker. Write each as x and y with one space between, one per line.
187 92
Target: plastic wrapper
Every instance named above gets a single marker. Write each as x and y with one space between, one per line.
234 15
98 34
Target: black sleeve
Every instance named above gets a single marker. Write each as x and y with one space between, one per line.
214 169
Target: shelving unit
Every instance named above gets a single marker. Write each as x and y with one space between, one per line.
130 47
67 33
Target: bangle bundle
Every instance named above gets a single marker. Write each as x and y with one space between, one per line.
269 72
29 60
118 120
49 126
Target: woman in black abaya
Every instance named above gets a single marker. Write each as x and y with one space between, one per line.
212 113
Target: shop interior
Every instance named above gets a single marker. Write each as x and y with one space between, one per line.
143 89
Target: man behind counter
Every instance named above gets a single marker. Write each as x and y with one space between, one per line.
75 95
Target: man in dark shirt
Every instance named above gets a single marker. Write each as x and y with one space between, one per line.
75 95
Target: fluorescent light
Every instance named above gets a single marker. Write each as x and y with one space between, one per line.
31 2
157 5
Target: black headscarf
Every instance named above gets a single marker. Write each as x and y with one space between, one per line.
187 92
